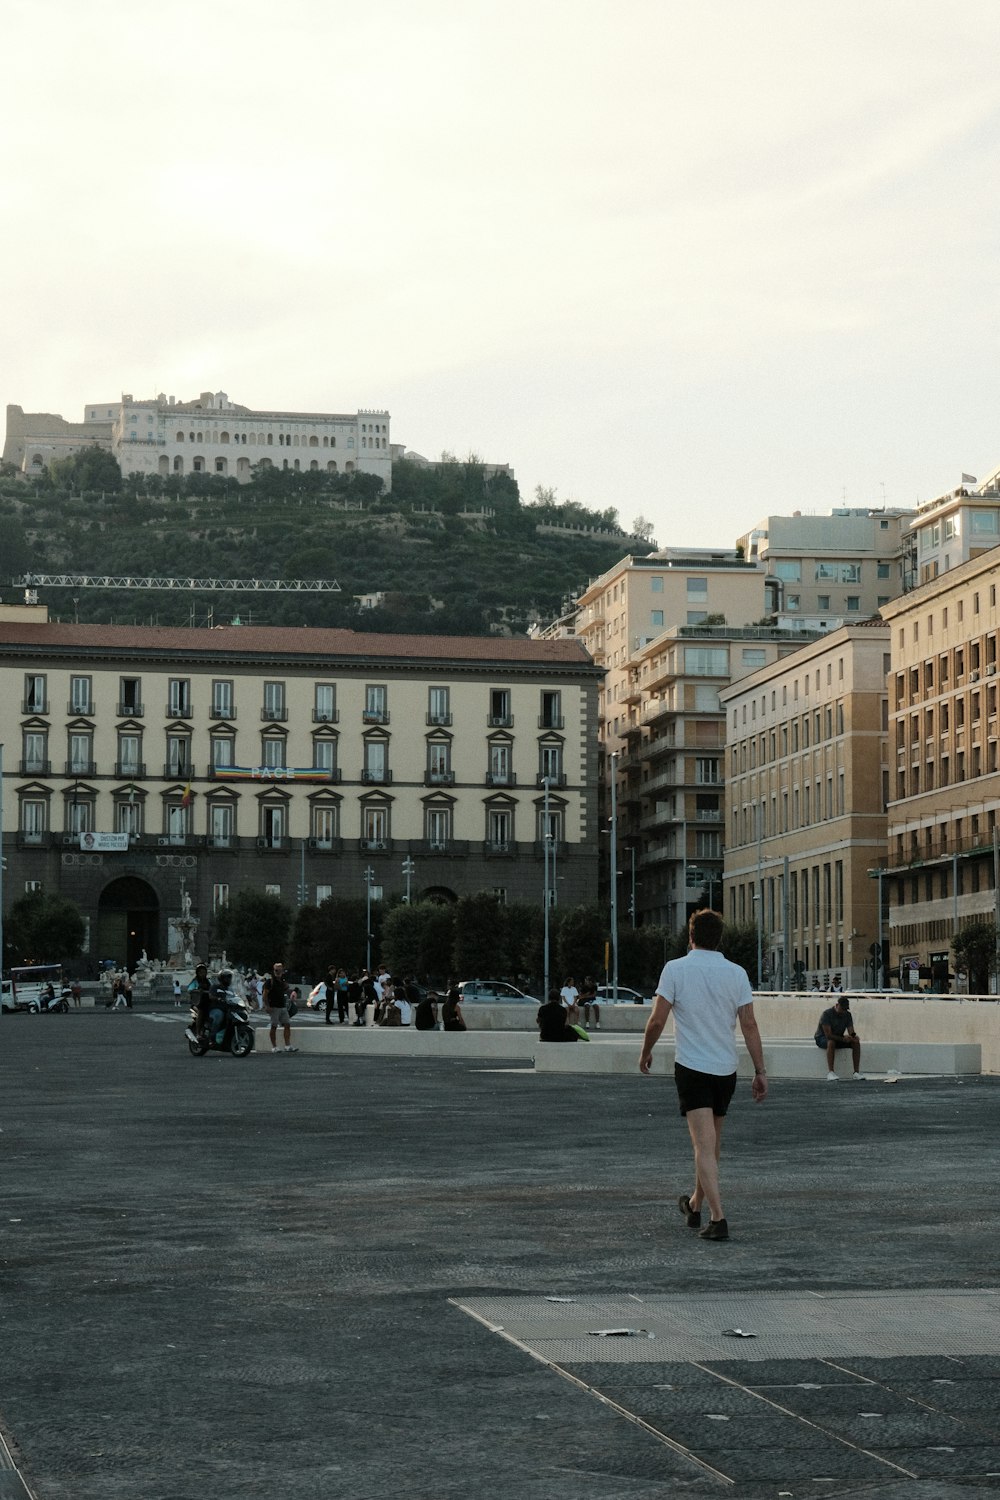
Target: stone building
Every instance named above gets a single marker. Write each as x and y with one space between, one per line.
280 758
806 784
945 763
209 435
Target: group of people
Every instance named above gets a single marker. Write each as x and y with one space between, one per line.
376 998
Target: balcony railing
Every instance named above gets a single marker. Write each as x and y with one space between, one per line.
374 846
550 777
179 711
220 711
178 770
274 714
35 767
80 707
498 848
130 710
81 768
500 721
551 721
439 778
438 718
36 707
500 778
375 716
332 845
136 768
376 778
272 841
326 715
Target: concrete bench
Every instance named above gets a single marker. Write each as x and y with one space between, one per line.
794 1058
405 1041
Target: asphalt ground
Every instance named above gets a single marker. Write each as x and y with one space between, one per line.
225 1278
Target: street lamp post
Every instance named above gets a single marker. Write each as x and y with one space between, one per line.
369 876
546 896
408 869
1 860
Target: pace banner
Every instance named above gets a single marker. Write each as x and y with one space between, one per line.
270 773
104 843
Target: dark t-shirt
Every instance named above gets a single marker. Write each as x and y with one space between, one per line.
423 1016
838 1021
552 1026
275 992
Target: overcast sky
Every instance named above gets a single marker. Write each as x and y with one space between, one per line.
701 262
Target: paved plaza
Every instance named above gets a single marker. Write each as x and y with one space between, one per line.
342 1278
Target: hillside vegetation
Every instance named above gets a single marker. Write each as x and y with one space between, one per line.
452 548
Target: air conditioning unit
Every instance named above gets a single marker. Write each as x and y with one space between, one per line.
163 842
322 718
263 844
437 848
973 676
71 838
991 669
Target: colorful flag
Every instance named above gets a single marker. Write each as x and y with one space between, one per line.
186 799
969 479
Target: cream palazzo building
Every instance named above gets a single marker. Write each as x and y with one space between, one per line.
268 758
945 772
807 779
208 435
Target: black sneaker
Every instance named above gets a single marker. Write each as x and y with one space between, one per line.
715 1229
692 1215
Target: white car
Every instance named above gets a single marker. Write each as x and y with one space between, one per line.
493 992
626 996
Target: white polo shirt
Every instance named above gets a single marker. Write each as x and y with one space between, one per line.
705 991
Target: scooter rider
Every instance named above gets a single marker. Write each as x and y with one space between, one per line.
200 991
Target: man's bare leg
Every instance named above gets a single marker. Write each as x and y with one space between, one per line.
705 1130
831 1057
856 1054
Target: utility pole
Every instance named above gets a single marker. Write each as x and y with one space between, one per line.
546 899
760 903
632 896
2 866
369 876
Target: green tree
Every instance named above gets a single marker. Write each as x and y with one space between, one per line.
974 947
94 469
480 950
254 929
332 933
14 548
44 928
579 947
739 944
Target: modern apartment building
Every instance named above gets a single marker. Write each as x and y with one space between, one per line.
673 773
945 775
137 758
953 529
807 780
823 570
209 435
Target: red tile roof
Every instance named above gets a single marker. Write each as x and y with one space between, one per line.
291 641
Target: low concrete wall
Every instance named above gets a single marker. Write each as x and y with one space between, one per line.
889 1017
892 1018
784 1059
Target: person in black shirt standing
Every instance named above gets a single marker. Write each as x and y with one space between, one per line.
276 1000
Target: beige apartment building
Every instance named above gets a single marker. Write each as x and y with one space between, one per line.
952 529
825 570
673 773
139 761
945 776
806 785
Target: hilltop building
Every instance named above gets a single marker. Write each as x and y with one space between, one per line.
283 758
209 435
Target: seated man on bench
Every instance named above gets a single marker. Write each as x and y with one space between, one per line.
835 1030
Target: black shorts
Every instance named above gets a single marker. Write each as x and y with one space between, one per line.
703 1090
838 1041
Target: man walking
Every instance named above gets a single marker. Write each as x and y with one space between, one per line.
276 1000
707 995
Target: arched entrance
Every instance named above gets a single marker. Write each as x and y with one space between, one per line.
439 893
128 920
